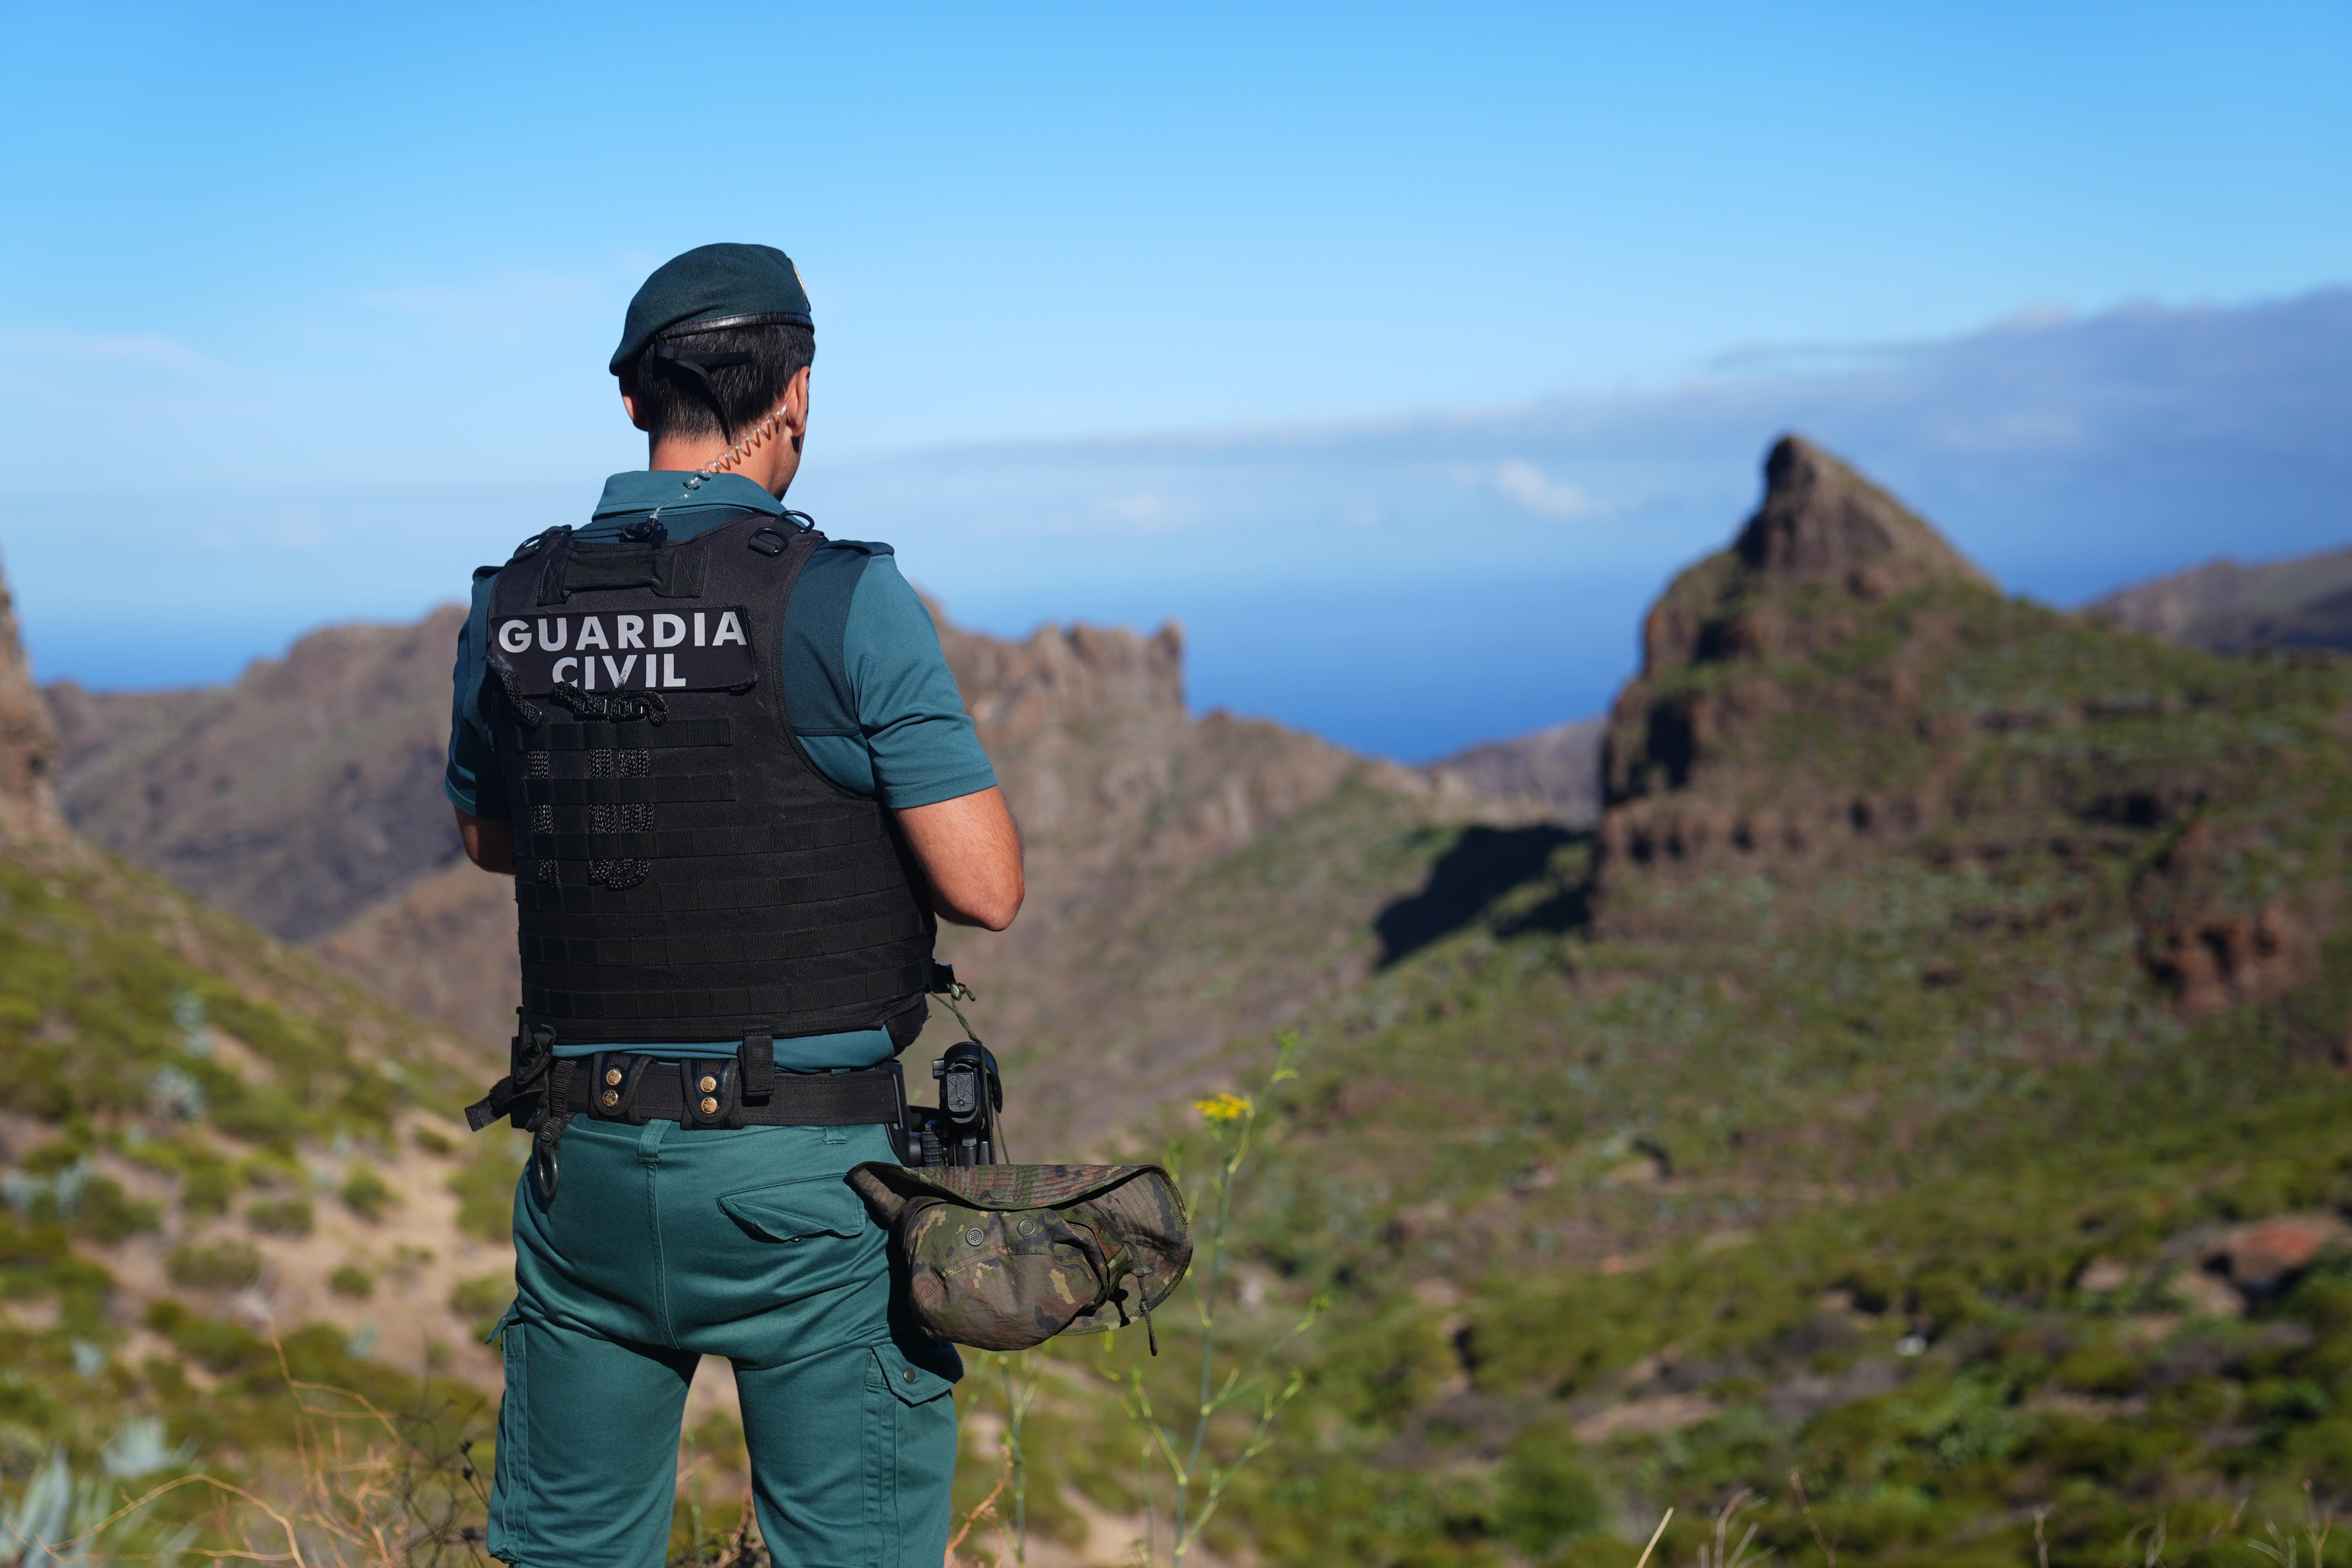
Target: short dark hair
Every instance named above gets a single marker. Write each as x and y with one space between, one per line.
676 396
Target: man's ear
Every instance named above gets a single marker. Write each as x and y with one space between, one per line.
629 397
797 402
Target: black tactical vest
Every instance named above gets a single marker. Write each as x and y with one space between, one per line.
683 873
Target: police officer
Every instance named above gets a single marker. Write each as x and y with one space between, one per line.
727 765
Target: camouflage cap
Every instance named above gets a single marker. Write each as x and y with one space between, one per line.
746 285
1002 1257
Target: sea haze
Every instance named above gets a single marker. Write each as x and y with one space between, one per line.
1406 587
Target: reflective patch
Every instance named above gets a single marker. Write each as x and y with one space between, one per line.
604 650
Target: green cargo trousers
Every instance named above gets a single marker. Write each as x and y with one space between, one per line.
663 1246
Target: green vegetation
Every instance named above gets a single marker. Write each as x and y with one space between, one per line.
482 1302
351 1281
1896 1103
485 1185
1899 1164
221 1265
365 1193
175 1059
282 1217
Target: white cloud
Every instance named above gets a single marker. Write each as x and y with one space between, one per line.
1540 493
1149 512
117 348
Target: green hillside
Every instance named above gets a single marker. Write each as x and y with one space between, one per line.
211 1143
1888 1092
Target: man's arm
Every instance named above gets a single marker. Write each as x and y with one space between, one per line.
490 843
969 849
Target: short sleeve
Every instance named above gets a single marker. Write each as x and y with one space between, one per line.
472 779
910 713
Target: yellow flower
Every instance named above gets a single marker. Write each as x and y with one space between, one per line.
1221 1107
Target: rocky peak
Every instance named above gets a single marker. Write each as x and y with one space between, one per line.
1824 540
1822 522
28 744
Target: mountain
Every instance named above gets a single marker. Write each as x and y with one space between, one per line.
306 797
1929 1078
295 797
211 1138
2225 608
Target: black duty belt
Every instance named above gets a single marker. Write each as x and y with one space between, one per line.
622 1086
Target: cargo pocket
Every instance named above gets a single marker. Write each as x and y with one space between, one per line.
911 1454
796 1211
509 1521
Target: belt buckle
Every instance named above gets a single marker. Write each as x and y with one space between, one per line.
613 1092
709 1089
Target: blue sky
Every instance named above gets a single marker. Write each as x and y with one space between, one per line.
1402 352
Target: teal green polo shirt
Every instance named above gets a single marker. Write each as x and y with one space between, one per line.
871 696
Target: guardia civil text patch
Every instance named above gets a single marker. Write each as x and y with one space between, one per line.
598 650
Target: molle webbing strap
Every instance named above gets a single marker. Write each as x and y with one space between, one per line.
694 843
666 789
727 947
599 737
570 897
673 573
542 1002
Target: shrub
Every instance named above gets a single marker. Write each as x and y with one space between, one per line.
483 1301
484 1189
431 1143
208 1186
282 1217
1544 1498
365 1193
351 1281
224 1266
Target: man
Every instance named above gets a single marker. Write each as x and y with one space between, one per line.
727 764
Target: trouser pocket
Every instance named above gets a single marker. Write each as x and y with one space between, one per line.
911 1454
509 1532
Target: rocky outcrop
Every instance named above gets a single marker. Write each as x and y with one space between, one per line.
1842 687
2224 607
1824 552
28 742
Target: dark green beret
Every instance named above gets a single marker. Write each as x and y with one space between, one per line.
713 284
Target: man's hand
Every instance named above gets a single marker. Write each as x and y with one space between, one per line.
490 843
970 854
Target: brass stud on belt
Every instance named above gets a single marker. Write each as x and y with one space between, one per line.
612 1076
709 1106
610 1097
709 1084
